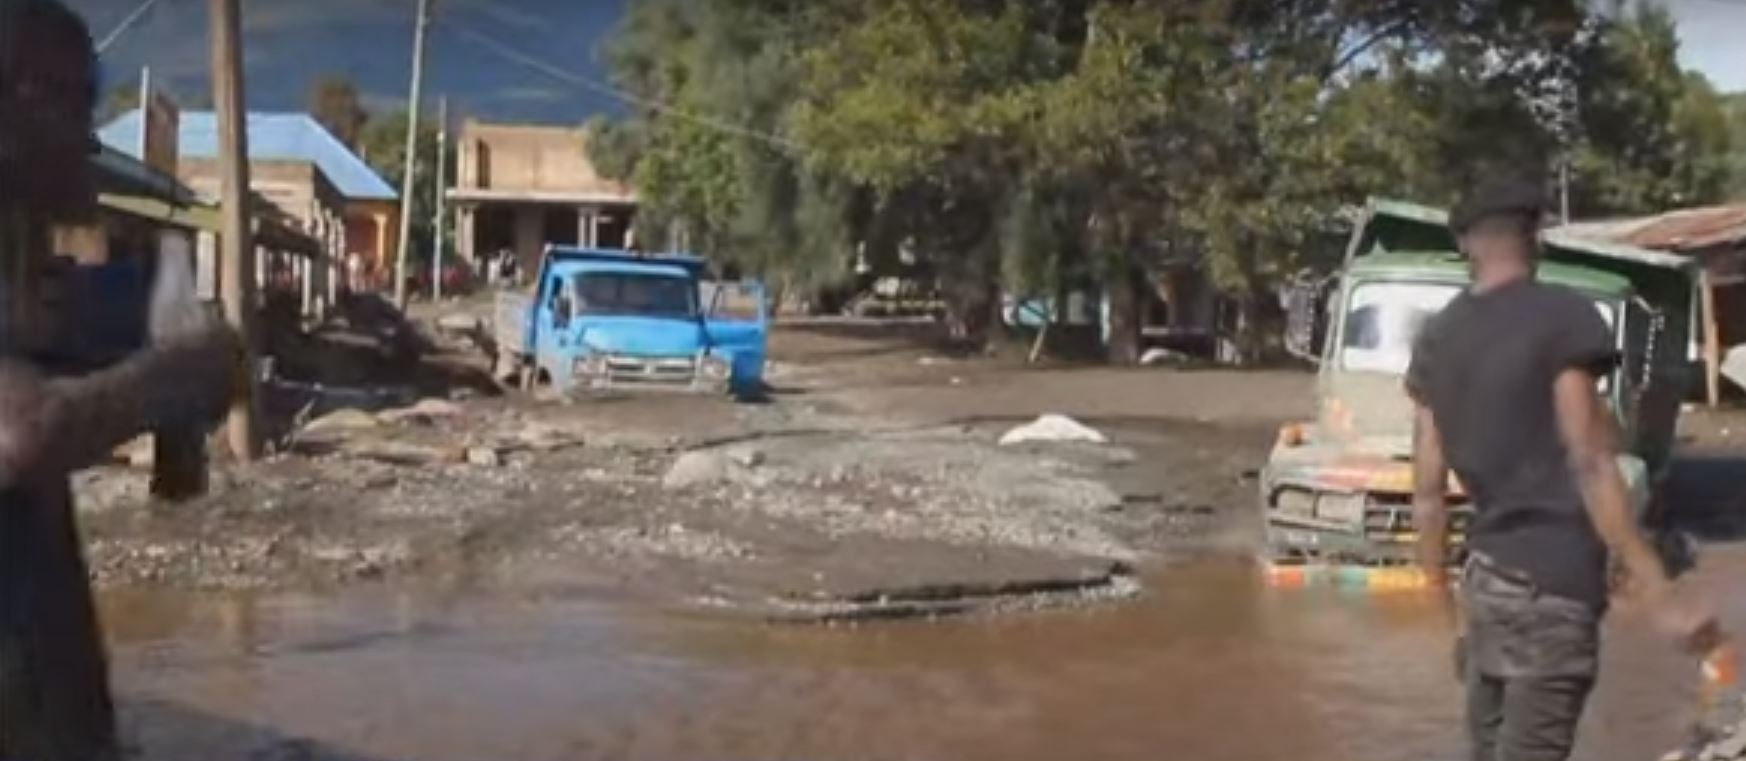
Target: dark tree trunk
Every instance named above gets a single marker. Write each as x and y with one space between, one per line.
1123 345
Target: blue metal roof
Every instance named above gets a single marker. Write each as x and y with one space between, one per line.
285 136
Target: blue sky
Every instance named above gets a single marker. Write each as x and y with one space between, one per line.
289 43
1713 39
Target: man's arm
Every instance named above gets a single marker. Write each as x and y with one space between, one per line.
1591 446
1430 507
1430 504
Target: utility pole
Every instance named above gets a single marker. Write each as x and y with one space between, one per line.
237 247
408 182
442 201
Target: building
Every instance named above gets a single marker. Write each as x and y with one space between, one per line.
1715 236
519 187
301 169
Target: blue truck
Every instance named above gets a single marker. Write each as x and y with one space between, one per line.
600 320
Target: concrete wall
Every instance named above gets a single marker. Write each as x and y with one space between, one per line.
296 188
302 193
529 159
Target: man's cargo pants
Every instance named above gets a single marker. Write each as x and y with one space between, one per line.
1528 659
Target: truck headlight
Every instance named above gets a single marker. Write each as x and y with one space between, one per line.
714 367
591 365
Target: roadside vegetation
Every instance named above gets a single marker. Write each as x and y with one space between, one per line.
1038 146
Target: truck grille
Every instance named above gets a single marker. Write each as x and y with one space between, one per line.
1389 518
633 370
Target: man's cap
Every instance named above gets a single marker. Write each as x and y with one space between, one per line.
1507 197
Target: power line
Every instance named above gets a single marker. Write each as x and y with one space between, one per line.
126 24
556 72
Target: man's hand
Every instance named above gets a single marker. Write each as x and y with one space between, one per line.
29 415
1431 511
1590 444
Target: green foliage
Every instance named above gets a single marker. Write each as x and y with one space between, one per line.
382 141
1653 136
1734 108
1036 143
335 103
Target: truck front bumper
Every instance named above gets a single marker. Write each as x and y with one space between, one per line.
698 374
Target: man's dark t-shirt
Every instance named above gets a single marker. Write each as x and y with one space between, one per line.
1485 366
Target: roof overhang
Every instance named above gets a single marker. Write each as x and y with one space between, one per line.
270 233
574 198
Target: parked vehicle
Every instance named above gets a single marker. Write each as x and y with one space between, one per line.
1339 489
604 319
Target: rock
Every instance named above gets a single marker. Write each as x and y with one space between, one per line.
425 410
748 458
696 468
1160 356
544 438
340 420
1053 428
459 322
137 453
1731 747
484 457
402 453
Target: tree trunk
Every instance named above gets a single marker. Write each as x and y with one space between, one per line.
1122 347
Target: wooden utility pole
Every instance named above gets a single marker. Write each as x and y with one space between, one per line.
409 181
237 247
442 201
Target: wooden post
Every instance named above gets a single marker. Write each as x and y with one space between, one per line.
179 462
237 288
1712 340
408 183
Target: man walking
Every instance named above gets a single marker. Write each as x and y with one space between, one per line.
1505 379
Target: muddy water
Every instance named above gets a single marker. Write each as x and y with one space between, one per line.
1211 664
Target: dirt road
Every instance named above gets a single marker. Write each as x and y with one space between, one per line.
870 484
498 605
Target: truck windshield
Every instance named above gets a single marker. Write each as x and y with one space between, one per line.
1384 319
635 294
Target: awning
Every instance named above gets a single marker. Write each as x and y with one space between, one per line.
269 233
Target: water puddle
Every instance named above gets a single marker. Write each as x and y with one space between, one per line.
1210 664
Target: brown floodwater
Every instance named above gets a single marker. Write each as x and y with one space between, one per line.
1209 664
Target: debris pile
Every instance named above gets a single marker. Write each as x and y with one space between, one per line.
1721 736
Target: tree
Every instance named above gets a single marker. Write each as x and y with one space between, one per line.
1653 137
335 103
1734 105
383 144
1025 145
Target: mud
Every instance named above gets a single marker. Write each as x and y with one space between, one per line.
371 595
833 500
1207 664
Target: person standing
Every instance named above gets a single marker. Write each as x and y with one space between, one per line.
54 692
1505 384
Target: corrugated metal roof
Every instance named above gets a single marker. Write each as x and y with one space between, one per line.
293 136
1681 230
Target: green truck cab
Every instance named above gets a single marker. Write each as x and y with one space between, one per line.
1338 489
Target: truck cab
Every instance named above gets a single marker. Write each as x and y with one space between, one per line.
600 320
1339 488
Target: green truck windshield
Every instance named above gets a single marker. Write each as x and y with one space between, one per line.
1383 319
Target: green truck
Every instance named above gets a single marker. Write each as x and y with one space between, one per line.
1338 489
